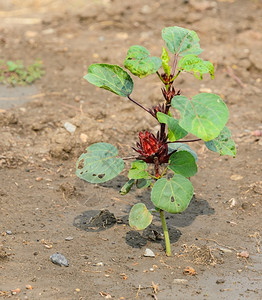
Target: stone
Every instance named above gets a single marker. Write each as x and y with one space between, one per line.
149 253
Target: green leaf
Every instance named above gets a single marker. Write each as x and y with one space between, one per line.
143 183
205 115
183 163
172 195
12 66
127 187
223 144
99 164
137 52
139 62
111 78
192 63
140 217
165 59
181 147
181 41
137 170
175 132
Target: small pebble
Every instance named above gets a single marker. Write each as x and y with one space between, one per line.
180 281
9 232
69 238
149 253
70 127
77 290
205 90
236 177
48 31
220 281
83 137
244 254
59 259
16 291
225 250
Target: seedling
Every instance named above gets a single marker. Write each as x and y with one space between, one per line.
15 73
163 160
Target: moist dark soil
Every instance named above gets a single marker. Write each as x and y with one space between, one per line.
45 208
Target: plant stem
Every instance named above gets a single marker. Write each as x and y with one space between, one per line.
166 234
160 77
186 141
156 161
162 130
140 105
174 64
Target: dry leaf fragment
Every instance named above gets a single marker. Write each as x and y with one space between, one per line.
29 287
189 271
232 202
105 295
123 275
236 177
155 287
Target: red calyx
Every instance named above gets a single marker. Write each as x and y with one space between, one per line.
150 147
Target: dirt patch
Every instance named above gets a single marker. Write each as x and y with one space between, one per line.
43 200
94 220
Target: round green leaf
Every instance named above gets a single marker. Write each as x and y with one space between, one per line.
111 78
181 147
181 41
205 115
223 144
172 195
137 52
99 164
175 132
192 63
139 62
138 170
183 163
140 217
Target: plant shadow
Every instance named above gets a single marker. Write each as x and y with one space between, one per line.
153 233
196 208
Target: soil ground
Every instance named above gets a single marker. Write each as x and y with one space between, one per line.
45 208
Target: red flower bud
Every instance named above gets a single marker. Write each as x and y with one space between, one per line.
150 147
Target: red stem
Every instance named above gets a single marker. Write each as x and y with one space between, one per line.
187 141
140 105
157 175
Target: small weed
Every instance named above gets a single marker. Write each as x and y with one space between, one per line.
15 73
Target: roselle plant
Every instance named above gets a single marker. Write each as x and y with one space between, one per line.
163 160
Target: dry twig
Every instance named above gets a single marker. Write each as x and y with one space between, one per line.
257 237
237 79
212 240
